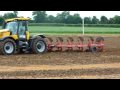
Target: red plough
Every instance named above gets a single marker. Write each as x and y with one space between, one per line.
92 45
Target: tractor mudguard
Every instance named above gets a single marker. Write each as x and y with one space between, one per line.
2 39
42 36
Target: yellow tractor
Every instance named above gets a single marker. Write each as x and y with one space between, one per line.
15 38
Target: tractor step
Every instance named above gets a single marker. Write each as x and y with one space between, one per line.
23 44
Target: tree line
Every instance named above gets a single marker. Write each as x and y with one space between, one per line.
64 17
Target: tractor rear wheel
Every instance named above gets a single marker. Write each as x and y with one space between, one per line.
38 45
7 47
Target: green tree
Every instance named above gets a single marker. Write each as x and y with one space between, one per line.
111 21
62 18
50 19
104 20
1 20
116 19
65 17
15 13
30 21
58 18
9 15
95 20
39 16
87 20
70 19
77 19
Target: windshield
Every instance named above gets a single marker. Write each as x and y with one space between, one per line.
12 26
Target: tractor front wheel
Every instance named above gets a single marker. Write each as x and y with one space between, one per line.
7 47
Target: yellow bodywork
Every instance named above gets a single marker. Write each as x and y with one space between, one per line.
6 33
10 20
14 36
28 35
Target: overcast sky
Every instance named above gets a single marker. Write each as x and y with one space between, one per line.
98 14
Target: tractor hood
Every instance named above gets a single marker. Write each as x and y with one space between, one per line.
4 33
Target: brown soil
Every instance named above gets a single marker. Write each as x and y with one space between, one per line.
71 64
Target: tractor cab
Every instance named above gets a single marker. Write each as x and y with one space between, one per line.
18 28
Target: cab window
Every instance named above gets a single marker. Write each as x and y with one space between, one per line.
12 26
22 28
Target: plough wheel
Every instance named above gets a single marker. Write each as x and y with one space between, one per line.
93 49
99 40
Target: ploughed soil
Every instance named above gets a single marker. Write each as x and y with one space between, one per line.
65 64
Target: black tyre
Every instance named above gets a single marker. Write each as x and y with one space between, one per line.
38 45
7 47
93 49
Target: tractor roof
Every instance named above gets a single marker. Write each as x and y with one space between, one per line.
19 19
